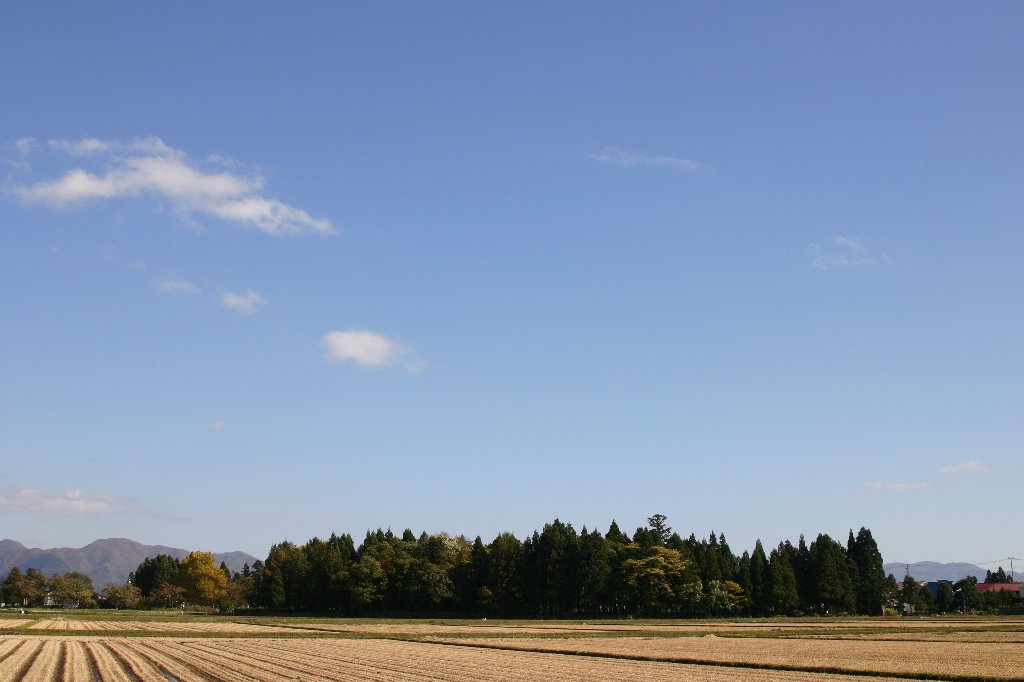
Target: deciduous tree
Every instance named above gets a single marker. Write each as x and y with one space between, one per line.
122 596
203 582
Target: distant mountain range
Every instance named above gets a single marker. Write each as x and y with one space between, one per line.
105 561
932 570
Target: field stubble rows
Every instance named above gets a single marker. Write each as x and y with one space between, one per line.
115 659
939 659
128 649
157 626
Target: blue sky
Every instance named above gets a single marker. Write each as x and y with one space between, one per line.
273 271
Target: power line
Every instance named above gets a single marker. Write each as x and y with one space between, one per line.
997 561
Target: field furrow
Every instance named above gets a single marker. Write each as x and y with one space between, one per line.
167 666
258 657
46 665
231 669
108 667
330 667
138 666
8 645
177 659
13 664
76 664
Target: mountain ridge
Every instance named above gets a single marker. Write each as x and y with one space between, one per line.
934 570
104 560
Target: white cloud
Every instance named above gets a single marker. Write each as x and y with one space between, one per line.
91 145
972 466
25 145
367 349
68 503
148 166
245 303
629 159
895 487
176 286
843 252
217 427
87 145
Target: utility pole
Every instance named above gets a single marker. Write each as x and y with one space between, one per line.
1012 558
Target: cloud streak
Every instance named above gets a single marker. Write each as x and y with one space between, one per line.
843 252
895 487
36 502
176 286
244 303
149 167
367 349
972 466
630 159
25 145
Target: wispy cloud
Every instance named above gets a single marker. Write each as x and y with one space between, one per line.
176 286
246 303
972 466
844 252
69 503
368 349
148 166
25 145
630 159
217 427
895 487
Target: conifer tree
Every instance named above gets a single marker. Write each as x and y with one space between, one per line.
783 597
759 579
834 588
870 580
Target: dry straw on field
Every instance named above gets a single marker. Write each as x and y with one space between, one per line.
156 626
961 659
238 660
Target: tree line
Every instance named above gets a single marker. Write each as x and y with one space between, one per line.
557 571
561 572
166 582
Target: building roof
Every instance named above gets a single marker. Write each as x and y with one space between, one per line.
999 587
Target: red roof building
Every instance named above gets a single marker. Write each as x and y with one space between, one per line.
1000 587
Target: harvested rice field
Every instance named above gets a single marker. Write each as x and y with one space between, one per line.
13 623
154 626
166 649
962 659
